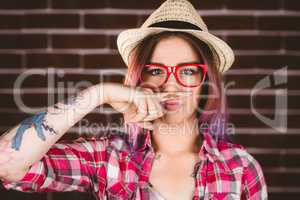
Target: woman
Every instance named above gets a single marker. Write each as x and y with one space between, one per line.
172 100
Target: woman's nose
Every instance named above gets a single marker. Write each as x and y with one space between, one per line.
171 84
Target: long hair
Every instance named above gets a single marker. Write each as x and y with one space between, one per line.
212 108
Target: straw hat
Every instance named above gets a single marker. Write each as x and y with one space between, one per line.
176 15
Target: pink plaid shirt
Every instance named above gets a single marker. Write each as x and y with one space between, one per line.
117 167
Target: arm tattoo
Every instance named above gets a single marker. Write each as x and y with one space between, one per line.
38 122
69 103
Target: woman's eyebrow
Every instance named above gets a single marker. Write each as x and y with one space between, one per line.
182 63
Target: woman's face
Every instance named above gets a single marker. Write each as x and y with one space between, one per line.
173 51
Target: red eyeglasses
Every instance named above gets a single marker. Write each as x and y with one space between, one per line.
188 75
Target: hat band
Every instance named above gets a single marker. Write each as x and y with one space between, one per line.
175 24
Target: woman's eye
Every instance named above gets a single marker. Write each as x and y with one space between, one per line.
154 71
189 71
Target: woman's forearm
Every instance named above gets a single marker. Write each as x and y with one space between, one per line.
27 142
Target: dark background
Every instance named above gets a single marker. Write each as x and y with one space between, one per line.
79 37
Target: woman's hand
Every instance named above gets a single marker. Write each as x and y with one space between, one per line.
140 105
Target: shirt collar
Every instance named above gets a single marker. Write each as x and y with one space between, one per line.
142 141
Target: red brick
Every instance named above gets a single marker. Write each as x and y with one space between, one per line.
260 102
134 4
10 21
11 119
72 195
253 5
278 195
30 100
103 61
266 61
16 195
292 43
116 78
208 4
255 42
38 100
279 23
79 41
7 101
278 160
291 5
249 81
22 41
28 81
89 79
10 60
283 179
110 21
78 4
244 102
251 121
229 22
51 21
287 141
153 4
38 60
30 4
113 42
67 80
74 79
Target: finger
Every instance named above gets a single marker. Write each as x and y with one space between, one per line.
158 101
157 107
160 110
150 110
154 111
142 109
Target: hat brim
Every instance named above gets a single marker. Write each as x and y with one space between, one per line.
223 54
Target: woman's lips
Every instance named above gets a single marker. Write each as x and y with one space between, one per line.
171 104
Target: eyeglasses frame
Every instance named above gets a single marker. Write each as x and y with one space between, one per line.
173 70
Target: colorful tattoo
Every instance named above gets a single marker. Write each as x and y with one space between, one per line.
69 103
38 122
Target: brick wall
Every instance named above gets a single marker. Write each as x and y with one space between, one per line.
69 41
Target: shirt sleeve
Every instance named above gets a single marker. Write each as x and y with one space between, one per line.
253 181
65 167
